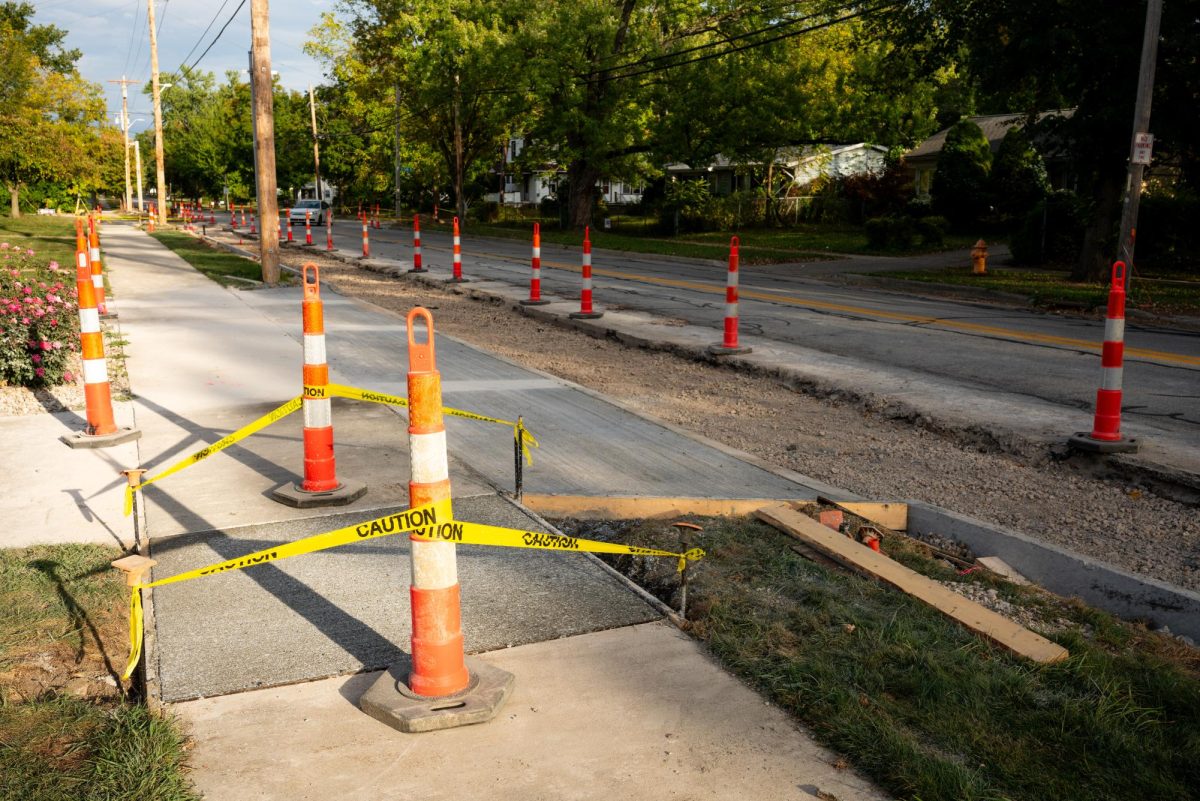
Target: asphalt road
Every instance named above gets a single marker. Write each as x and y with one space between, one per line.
1052 358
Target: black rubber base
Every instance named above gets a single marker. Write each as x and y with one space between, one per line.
390 701
1083 441
292 495
81 439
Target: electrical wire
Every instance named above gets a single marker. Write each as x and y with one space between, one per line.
211 22
219 34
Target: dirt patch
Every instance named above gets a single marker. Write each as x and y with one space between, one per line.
840 443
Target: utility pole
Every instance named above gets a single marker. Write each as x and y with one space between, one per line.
312 109
1140 147
160 171
459 201
125 134
264 140
137 152
397 153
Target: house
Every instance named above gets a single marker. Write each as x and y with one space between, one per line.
921 161
801 165
523 188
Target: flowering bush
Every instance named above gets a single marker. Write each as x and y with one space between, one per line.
39 320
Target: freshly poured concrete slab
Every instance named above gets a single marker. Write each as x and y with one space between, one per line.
347 609
639 713
588 445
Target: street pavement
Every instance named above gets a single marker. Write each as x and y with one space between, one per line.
973 349
608 700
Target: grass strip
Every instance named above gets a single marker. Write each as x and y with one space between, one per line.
221 266
62 615
51 237
918 703
1054 288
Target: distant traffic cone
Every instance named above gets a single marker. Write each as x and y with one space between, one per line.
417 268
535 279
97 267
320 486
102 431
729 344
586 312
458 275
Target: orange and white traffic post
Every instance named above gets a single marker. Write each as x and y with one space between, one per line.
102 430
535 278
458 276
308 228
289 225
320 486
586 312
375 222
366 234
729 344
1106 436
442 688
329 229
97 267
417 268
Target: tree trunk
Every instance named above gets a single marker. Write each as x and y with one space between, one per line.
581 197
1093 261
14 193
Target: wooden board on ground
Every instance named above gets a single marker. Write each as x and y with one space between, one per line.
888 515
997 628
586 507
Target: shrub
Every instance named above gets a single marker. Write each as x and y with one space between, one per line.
960 185
1018 180
890 232
1168 237
932 230
38 319
1058 222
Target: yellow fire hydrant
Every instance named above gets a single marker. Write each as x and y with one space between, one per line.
979 258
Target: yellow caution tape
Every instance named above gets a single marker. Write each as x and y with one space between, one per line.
267 419
463 533
520 433
427 515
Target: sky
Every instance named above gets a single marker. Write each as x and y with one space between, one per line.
113 38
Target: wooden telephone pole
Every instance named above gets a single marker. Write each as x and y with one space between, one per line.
264 140
125 135
159 170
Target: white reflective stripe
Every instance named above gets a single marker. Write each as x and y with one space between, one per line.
457 239
458 258
417 249
537 273
433 565
1114 329
427 456
94 253
1111 378
95 371
81 259
587 259
89 321
731 310
731 279
314 349
97 280
318 412
537 253
587 283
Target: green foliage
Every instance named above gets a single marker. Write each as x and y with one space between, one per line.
1168 236
960 184
1018 178
38 319
1052 231
894 232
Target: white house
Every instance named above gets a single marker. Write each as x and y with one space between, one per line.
802 165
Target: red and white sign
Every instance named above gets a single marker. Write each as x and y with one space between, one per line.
1143 143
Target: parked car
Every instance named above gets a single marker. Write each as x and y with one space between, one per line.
316 208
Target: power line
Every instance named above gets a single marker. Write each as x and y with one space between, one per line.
211 22
158 26
137 10
219 34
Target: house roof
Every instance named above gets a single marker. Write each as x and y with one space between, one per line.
790 156
994 127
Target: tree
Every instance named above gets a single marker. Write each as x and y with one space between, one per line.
1018 179
960 185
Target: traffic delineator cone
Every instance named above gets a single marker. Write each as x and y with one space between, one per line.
586 312
366 236
438 687
320 486
729 344
308 228
102 431
417 268
1105 436
289 226
457 276
97 268
535 277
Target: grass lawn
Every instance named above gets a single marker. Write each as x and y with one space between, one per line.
1051 288
66 731
925 708
50 237
804 242
219 265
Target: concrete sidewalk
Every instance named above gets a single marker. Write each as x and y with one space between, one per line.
624 712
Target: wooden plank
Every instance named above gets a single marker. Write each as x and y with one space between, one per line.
995 627
889 515
585 507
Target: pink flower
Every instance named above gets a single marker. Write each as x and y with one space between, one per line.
37 358
4 246
29 252
54 323
44 345
25 321
53 266
39 372
28 291
69 377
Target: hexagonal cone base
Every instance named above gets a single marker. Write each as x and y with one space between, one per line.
459 281
721 350
592 315
1083 441
390 701
418 272
534 302
292 495
81 439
